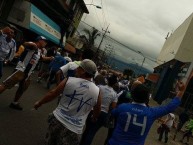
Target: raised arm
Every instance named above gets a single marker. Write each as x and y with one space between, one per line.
51 95
163 110
30 45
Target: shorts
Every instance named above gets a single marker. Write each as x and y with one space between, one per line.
57 134
15 78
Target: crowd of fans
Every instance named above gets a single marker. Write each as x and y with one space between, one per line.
89 96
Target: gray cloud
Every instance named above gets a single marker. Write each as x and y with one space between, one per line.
141 25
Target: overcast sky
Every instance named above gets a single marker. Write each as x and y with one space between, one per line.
141 25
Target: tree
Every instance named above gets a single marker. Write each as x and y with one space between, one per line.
90 36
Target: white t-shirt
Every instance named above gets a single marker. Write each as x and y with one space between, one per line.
78 99
69 66
171 118
6 47
108 96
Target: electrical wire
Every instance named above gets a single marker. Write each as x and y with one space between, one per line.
98 19
106 7
120 43
103 13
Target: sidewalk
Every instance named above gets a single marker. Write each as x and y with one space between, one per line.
152 138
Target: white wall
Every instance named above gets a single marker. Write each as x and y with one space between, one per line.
180 44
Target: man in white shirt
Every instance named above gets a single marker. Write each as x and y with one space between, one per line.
7 46
108 101
79 96
166 126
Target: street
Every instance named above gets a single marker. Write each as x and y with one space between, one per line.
28 127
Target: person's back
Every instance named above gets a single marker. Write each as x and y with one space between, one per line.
108 101
78 99
109 96
135 120
100 80
133 124
57 63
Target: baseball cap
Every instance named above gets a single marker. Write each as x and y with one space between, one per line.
41 38
89 66
172 115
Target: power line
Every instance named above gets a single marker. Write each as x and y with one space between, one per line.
98 19
120 43
152 59
103 13
104 34
106 5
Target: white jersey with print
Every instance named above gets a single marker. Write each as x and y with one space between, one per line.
108 96
28 60
6 47
78 99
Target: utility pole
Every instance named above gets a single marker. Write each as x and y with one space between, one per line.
107 53
106 31
142 64
142 61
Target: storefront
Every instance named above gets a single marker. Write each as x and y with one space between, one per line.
28 16
43 25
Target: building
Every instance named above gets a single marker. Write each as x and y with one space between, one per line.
176 62
55 20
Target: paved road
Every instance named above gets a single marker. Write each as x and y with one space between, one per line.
28 127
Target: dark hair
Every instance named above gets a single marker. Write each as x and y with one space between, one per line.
88 75
112 80
140 94
87 54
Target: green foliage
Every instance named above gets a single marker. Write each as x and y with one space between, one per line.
90 36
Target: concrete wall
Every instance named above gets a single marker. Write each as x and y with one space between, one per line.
179 45
20 13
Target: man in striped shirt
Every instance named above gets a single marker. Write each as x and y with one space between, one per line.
28 61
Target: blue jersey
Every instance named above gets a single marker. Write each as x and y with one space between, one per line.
57 63
135 120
